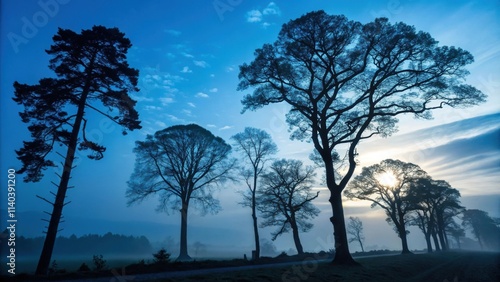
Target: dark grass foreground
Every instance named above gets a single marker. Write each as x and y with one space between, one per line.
451 266
448 266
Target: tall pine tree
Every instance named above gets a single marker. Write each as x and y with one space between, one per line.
92 74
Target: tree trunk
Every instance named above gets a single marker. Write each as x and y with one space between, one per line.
436 241
441 240
458 242
446 240
183 253
402 234
428 241
55 217
404 240
296 238
361 244
342 254
254 217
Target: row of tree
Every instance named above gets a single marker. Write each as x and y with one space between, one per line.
344 82
409 196
183 164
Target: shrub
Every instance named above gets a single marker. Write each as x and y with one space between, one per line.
84 268
99 262
161 257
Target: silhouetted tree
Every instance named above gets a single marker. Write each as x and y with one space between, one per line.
387 185
483 227
456 232
355 229
346 82
285 199
435 203
256 146
199 248
92 73
182 164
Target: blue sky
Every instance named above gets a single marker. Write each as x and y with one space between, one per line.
188 53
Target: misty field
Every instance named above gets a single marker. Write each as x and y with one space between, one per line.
450 266
445 266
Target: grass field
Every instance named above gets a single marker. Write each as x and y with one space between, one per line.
452 266
448 266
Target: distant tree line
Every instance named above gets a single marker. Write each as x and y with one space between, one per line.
90 244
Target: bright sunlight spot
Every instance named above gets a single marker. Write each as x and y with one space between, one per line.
387 179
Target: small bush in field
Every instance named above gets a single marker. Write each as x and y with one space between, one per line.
99 262
161 256
84 268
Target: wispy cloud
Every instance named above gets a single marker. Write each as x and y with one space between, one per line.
141 98
254 16
154 78
172 32
191 105
272 9
466 153
201 95
226 127
201 64
186 69
213 90
175 119
166 101
161 124
260 16
152 108
187 55
211 125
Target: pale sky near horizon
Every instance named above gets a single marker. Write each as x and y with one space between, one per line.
188 53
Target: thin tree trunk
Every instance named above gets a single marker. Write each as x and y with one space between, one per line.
296 238
441 240
446 240
440 230
436 241
428 241
254 217
361 243
458 242
55 217
183 254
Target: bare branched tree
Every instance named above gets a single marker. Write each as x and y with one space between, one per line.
182 164
355 230
285 199
257 146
